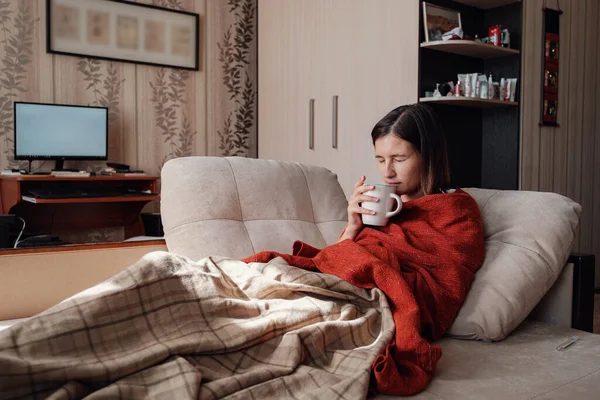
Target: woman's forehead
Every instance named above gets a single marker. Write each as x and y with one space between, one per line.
390 145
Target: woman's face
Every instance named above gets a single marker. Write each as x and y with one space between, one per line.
399 165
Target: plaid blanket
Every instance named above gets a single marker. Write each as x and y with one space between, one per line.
167 327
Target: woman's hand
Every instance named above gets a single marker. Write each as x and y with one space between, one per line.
355 211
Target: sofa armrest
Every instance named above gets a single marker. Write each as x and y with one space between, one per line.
570 301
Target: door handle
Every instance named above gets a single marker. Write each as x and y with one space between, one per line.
311 124
334 128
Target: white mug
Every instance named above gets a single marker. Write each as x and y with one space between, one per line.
383 208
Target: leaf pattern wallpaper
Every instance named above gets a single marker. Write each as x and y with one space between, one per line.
235 57
232 75
171 119
16 40
168 98
155 113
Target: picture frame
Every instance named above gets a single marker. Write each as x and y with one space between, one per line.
120 30
550 67
439 20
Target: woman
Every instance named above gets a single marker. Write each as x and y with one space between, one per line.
424 259
410 150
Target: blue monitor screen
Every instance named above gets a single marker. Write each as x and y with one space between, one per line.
51 130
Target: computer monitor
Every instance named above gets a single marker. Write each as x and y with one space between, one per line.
60 132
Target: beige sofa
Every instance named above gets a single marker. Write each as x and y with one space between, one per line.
525 300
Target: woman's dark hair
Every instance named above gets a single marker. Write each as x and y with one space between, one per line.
419 125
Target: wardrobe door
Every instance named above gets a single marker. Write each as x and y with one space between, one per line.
355 59
373 68
288 48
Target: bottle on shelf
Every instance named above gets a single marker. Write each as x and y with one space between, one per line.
505 38
494 34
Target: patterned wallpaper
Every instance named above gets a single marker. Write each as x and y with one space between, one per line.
155 113
16 40
232 71
237 59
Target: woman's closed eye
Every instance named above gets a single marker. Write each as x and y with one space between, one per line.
394 159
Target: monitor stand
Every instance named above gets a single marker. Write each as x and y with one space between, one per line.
60 166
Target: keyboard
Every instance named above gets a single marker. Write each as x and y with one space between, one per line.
82 193
41 241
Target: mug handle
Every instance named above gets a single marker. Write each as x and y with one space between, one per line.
390 214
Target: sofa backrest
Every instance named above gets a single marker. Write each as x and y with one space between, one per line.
235 207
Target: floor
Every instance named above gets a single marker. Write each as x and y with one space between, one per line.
597 313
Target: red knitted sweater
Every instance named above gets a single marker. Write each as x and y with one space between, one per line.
424 261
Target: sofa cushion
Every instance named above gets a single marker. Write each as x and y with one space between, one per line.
524 366
235 207
528 238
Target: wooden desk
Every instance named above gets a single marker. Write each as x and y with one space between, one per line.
78 212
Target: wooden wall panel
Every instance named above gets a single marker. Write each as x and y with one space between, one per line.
596 170
560 137
575 109
565 159
588 133
546 134
595 184
530 78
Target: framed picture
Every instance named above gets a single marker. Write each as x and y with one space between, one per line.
121 30
550 64
439 20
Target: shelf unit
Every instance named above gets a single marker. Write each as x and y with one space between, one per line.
470 48
483 136
73 213
106 199
469 102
